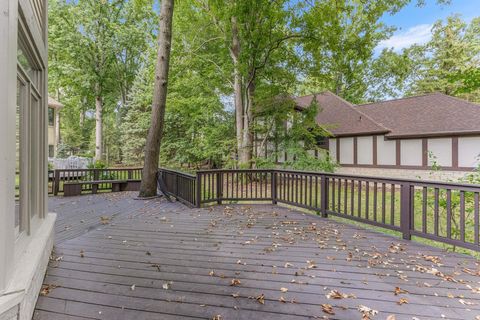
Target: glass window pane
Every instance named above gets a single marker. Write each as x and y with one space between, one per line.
51 117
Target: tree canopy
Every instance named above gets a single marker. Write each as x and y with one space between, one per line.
235 65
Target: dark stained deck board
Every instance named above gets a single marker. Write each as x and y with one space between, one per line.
188 244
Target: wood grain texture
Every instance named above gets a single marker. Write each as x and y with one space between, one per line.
161 260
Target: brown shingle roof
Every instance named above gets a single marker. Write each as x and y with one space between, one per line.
339 116
433 114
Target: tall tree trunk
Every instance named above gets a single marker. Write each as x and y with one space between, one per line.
57 131
148 186
237 86
98 128
57 128
247 148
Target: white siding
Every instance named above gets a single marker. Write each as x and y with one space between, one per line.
411 152
332 148
441 149
386 151
365 150
346 150
468 151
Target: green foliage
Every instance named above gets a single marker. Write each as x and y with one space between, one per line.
99 164
448 63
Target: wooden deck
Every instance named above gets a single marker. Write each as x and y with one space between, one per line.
159 260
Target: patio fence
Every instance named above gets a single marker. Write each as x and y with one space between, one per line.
57 178
444 212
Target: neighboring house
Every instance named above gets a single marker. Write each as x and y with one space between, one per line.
402 137
54 108
26 227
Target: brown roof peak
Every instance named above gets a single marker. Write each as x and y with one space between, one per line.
402 98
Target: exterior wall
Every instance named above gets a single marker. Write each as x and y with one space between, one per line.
441 149
411 152
346 150
365 150
468 151
443 175
451 153
332 148
386 151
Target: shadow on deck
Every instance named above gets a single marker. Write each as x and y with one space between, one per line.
119 258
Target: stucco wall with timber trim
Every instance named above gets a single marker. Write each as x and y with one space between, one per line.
441 150
346 150
365 150
468 151
411 152
403 173
386 153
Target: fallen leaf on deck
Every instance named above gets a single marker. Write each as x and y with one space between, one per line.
235 282
391 317
217 317
367 313
82 253
166 286
261 298
335 294
402 301
398 291
283 289
466 303
327 308
132 287
47 288
105 220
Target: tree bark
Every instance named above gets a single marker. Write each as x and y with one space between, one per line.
57 131
98 128
247 147
237 86
148 187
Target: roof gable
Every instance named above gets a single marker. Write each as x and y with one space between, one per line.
339 116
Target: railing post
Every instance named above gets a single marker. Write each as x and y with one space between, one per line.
219 187
56 182
324 196
405 210
274 186
198 190
176 186
129 174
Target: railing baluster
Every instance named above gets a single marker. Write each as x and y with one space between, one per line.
367 200
462 216
436 210
375 204
449 213
359 209
384 191
424 209
476 216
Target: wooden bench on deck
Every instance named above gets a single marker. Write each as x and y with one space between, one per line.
74 188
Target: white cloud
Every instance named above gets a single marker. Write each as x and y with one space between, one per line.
418 34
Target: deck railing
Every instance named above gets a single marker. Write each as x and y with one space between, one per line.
62 176
444 212
180 185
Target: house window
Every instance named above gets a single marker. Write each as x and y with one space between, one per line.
322 142
51 117
51 151
30 136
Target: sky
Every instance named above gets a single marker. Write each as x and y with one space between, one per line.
414 23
